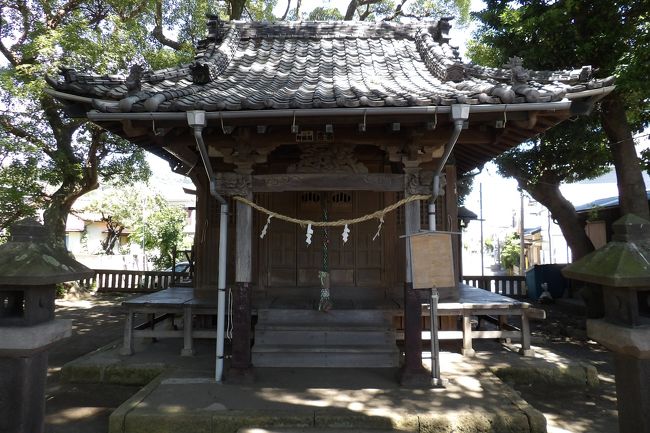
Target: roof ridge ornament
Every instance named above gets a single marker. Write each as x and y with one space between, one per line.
440 58
133 81
518 74
440 31
215 52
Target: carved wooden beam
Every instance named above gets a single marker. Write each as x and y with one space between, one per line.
328 182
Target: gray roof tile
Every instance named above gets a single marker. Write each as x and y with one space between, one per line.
302 65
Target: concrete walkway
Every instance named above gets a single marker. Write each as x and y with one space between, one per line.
179 394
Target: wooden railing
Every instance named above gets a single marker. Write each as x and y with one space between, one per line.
111 280
502 284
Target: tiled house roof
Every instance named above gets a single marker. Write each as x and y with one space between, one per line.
303 65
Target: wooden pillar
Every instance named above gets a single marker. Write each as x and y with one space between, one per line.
413 373
451 223
241 367
206 239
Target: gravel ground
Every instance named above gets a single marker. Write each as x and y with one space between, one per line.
84 408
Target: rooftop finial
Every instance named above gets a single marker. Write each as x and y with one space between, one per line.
519 74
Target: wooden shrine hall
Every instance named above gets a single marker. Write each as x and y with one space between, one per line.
283 126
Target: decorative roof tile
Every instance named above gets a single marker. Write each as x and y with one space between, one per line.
303 65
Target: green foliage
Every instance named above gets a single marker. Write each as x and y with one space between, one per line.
575 152
612 36
488 245
510 252
389 10
120 208
20 194
48 160
464 186
594 213
161 230
645 160
322 13
484 54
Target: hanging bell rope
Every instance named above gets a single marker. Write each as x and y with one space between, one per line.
338 223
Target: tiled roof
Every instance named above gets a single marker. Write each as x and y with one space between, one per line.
602 203
302 65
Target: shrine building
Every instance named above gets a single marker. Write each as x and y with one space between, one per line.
282 126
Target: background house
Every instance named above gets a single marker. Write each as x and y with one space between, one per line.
595 199
85 230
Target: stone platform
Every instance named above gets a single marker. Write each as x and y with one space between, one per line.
180 395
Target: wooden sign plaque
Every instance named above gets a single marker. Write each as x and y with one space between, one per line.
432 260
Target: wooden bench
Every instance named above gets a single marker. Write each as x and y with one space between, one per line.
479 302
172 301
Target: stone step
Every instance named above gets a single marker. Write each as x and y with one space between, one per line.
325 356
318 335
278 316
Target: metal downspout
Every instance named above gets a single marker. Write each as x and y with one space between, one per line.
459 114
196 120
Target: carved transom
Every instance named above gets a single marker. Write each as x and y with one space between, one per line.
327 158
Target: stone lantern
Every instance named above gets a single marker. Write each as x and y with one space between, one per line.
29 272
622 267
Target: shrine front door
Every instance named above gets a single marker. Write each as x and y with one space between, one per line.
290 265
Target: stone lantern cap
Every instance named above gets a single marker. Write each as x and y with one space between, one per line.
27 258
623 262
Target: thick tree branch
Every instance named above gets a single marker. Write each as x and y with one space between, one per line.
631 187
9 126
352 8
6 52
286 11
397 12
56 17
365 14
355 4
134 12
25 14
96 153
62 132
158 33
298 4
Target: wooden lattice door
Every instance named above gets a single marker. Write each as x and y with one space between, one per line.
290 262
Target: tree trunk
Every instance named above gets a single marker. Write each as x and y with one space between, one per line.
566 216
631 188
351 9
237 9
54 219
58 209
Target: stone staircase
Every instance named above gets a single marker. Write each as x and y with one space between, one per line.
338 338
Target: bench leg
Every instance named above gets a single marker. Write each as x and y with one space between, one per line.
503 321
467 349
188 344
525 337
151 318
127 346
